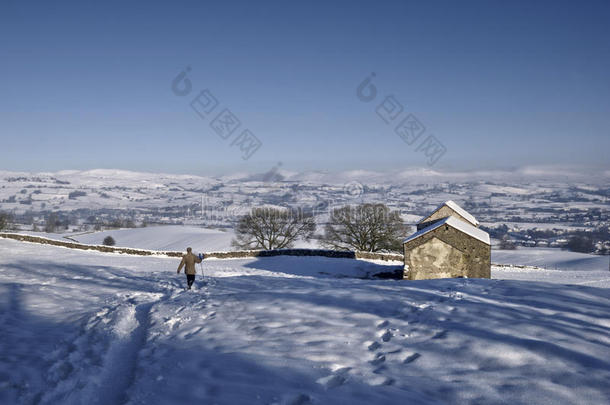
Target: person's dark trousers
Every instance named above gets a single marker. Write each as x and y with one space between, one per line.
190 278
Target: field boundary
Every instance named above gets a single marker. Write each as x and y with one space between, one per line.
82 246
239 254
347 254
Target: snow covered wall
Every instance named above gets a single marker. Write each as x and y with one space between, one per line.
217 255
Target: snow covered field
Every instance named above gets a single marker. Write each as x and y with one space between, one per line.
551 258
81 327
176 237
172 237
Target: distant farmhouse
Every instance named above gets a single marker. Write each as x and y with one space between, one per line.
448 243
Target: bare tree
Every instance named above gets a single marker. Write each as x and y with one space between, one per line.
272 228
364 227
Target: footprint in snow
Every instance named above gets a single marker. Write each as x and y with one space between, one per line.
411 357
383 324
379 359
334 380
386 336
173 323
315 342
189 335
301 399
380 369
374 346
441 335
380 380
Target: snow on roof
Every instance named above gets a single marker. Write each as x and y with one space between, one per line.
461 211
454 223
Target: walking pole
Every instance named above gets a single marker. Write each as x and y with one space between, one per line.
201 256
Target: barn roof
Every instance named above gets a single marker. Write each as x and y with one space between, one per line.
454 223
461 211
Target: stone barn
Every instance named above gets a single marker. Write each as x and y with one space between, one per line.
447 244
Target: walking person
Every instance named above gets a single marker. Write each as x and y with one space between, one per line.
188 262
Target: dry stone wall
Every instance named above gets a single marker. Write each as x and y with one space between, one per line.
219 255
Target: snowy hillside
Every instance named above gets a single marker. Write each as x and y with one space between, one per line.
91 328
170 237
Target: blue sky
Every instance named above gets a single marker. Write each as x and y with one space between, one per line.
498 84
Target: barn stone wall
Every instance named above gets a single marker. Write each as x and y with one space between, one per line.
446 252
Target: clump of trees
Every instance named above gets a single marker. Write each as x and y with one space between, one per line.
6 221
273 228
506 243
109 241
113 223
121 223
365 227
52 223
75 194
581 243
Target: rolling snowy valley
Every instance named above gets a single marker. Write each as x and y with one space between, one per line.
533 207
